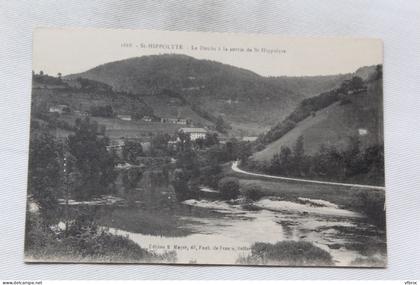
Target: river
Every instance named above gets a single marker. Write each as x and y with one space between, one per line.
229 234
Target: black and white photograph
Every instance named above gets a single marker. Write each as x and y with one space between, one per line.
205 148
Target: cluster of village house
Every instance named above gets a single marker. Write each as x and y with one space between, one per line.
164 120
62 109
193 132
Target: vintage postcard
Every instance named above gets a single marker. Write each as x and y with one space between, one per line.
205 148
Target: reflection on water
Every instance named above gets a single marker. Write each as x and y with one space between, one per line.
222 232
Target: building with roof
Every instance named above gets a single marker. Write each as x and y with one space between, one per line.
59 109
194 133
124 117
179 121
249 139
147 118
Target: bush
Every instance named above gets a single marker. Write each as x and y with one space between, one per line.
102 111
290 253
372 203
132 150
184 187
229 188
84 241
371 261
253 192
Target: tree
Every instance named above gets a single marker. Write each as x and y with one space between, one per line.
210 170
184 140
372 203
281 162
244 151
184 188
159 144
374 160
229 188
253 192
220 125
187 160
199 142
329 163
298 149
131 178
378 70
143 110
94 163
299 159
356 83
188 169
322 166
353 157
230 148
132 150
102 111
44 179
211 139
237 150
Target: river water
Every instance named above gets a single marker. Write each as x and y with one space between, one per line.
229 235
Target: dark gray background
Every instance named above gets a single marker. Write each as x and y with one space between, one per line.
396 22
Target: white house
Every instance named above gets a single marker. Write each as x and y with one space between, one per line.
178 121
363 132
249 139
147 118
124 117
59 109
194 133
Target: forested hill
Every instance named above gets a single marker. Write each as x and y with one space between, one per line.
236 94
352 110
313 85
149 74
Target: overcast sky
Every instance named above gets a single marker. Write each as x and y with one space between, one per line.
76 50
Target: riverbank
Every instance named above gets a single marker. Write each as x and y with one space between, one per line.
225 232
370 202
83 243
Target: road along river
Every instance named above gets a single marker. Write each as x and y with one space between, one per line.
236 168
